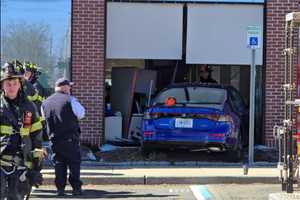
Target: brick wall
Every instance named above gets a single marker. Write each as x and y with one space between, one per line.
88 30
274 107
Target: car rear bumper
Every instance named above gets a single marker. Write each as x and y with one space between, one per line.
218 146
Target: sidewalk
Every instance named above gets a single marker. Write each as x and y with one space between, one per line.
219 174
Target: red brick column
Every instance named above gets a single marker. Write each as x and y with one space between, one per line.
88 54
274 107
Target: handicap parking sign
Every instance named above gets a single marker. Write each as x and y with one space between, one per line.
253 36
253 41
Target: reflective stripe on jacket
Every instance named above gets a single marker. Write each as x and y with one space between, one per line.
14 137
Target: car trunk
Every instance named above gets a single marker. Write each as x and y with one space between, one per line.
187 122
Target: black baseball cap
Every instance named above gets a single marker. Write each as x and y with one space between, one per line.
62 82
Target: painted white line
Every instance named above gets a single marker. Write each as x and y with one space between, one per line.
201 192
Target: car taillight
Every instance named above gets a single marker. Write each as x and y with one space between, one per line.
225 118
217 135
149 133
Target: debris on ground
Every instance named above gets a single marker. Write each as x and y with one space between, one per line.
113 153
119 154
87 154
108 148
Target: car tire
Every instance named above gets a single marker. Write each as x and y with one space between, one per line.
145 150
233 155
236 154
245 137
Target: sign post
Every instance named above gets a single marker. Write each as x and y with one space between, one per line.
253 42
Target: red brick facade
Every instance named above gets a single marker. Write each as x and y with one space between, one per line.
88 56
88 43
276 10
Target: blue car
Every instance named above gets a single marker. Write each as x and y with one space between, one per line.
208 117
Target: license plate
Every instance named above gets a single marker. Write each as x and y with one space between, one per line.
183 123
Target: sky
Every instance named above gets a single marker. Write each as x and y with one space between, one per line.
55 13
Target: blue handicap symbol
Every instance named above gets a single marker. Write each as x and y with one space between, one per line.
253 41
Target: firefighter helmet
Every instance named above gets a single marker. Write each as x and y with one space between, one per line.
19 66
31 67
28 66
9 71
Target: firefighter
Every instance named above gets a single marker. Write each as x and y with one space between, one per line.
32 88
62 113
28 88
32 74
20 138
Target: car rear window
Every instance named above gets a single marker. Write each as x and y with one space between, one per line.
206 95
177 93
197 95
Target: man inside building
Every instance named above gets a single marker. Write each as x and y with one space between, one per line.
20 138
62 113
205 74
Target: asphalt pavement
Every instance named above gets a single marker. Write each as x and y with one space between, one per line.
165 192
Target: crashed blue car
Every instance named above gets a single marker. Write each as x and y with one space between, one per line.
208 117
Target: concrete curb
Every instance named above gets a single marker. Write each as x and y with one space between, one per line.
128 173
173 164
171 180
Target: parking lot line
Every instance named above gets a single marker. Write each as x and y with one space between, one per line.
201 192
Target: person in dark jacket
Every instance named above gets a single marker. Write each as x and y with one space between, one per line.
205 74
20 138
31 74
62 113
33 88
36 92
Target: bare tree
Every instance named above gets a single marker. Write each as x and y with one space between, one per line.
28 42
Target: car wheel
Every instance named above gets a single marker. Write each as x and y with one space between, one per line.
145 150
236 154
245 137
